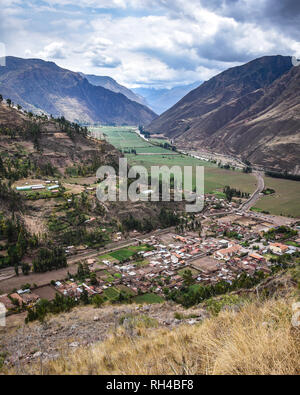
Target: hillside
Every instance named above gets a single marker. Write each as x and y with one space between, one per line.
242 334
112 85
40 86
160 100
251 111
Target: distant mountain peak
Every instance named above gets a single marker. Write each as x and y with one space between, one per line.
112 85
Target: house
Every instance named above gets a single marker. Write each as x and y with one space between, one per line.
256 256
226 253
278 248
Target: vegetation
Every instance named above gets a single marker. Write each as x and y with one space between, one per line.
257 340
232 192
48 260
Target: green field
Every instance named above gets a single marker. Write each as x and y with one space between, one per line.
148 298
285 200
124 253
125 139
214 178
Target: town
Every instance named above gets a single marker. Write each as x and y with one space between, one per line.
218 245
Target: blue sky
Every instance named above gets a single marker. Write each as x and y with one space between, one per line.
160 43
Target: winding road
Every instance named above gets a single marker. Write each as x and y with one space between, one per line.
255 196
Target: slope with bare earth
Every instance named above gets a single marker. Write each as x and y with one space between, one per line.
251 111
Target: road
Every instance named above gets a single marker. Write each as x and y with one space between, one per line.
9 280
256 195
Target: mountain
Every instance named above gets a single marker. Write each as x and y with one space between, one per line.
251 111
112 85
161 100
41 86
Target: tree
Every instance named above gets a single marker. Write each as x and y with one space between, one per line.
1 98
8 101
17 269
25 268
84 297
98 300
93 279
188 278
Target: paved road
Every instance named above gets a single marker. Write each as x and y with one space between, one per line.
256 195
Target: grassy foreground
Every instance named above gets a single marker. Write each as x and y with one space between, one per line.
257 340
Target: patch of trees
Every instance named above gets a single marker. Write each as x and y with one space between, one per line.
168 218
59 304
71 128
33 133
48 260
247 169
282 232
10 197
268 191
194 294
131 223
232 192
284 175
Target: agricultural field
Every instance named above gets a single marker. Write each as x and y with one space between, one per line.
285 200
125 139
123 253
148 298
215 179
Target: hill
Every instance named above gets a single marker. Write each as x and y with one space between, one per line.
40 86
251 111
241 334
112 85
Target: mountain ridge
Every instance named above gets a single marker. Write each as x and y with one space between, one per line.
232 113
41 86
112 85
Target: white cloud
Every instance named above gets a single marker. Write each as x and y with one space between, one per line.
141 42
54 50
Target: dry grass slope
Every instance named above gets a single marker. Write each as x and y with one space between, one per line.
257 340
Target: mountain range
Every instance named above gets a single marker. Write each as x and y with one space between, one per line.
112 85
161 100
251 111
40 86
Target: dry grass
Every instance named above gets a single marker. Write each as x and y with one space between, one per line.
257 340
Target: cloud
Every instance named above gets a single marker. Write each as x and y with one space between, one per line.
158 42
54 50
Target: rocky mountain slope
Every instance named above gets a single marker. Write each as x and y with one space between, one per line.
43 86
251 111
160 100
112 85
235 334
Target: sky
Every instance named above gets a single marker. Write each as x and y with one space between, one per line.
150 43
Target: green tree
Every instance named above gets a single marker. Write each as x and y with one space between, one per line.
188 278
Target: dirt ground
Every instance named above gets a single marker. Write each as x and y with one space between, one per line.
82 326
206 264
